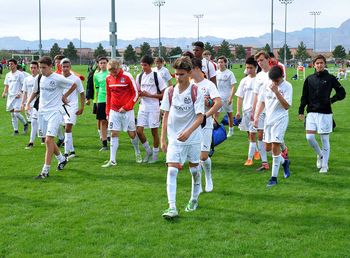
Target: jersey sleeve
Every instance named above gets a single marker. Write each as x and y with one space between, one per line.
25 87
212 71
165 106
162 84
167 75
199 104
289 94
213 91
64 82
80 87
233 78
239 92
134 96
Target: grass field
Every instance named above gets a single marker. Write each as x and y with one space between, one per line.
87 211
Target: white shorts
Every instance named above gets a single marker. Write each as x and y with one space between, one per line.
261 122
322 123
121 121
276 131
179 153
226 107
148 119
206 139
49 123
13 103
32 113
72 118
246 124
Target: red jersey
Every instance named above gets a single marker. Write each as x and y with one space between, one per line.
121 92
59 71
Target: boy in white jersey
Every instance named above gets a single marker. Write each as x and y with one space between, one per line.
32 114
13 90
276 97
52 98
212 102
183 107
72 110
245 97
207 66
162 70
226 85
149 109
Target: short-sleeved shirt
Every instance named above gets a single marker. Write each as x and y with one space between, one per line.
164 73
245 91
73 98
100 85
28 86
262 79
225 79
14 82
208 68
182 114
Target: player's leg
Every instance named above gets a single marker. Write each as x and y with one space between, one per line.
142 122
205 160
193 157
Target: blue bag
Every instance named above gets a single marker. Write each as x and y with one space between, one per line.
219 134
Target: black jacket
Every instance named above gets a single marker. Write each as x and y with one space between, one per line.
317 91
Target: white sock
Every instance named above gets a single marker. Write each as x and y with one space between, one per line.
196 182
155 153
147 147
113 148
283 146
33 130
14 120
230 129
276 162
20 117
60 158
262 151
252 146
60 133
206 165
326 149
313 143
46 169
135 143
67 142
99 133
171 186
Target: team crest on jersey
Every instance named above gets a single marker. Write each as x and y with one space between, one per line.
122 80
187 100
52 83
151 80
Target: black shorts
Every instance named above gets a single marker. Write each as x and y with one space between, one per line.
94 108
101 111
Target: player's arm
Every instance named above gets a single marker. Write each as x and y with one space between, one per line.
31 98
186 134
239 106
217 104
6 90
82 103
233 90
339 91
260 108
68 92
255 101
304 100
281 99
134 96
24 98
163 136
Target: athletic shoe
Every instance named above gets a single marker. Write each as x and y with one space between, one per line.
319 162
29 146
248 162
211 152
71 155
25 128
138 158
170 213
42 175
104 148
153 160
256 155
108 138
15 133
66 155
208 184
230 134
272 182
264 166
191 206
109 164
147 157
43 141
285 165
284 153
62 164
60 143
324 170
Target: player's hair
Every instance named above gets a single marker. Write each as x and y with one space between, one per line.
223 58
275 73
198 44
183 63
113 63
188 54
271 55
147 59
102 58
206 52
251 61
19 67
45 60
12 60
58 57
34 63
197 63
319 57
65 61
159 59
266 55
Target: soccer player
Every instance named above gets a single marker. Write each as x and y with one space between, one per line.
72 110
122 95
183 107
13 90
52 86
273 61
245 97
162 70
207 66
149 110
212 102
226 85
276 99
32 114
316 96
100 89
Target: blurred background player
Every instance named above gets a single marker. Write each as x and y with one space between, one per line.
162 71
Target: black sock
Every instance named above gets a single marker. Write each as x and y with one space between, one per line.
104 143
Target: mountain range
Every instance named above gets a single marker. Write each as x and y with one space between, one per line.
327 38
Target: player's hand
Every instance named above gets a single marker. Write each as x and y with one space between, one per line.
238 115
256 122
87 102
274 87
3 95
27 107
229 101
183 136
21 108
252 116
121 110
18 96
79 112
64 100
301 117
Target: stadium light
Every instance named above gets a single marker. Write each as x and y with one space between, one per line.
80 18
286 3
315 13
40 45
198 16
159 3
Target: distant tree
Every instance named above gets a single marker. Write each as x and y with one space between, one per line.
175 51
163 53
55 50
224 49
130 55
209 47
339 52
100 51
145 49
281 53
301 53
70 52
240 52
267 48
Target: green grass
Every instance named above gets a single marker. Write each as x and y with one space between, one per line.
87 211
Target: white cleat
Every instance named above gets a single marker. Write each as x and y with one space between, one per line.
109 164
319 161
208 185
324 170
230 134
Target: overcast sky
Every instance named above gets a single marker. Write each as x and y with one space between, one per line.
139 18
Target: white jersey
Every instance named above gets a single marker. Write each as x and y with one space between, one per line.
148 84
28 85
182 114
208 68
209 90
15 83
74 96
224 80
273 108
245 91
163 72
51 92
262 79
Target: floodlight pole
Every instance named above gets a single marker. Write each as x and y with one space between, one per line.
40 45
159 3
272 26
315 13
80 18
113 30
285 2
198 16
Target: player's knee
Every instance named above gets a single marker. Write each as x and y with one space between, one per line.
310 137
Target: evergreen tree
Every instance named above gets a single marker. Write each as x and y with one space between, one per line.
301 53
175 51
117 54
209 47
224 50
281 54
163 53
267 48
130 55
55 50
240 52
70 52
100 51
145 50
339 52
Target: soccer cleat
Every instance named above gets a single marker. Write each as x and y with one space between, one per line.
147 157
109 164
15 133
153 160
60 143
285 165
71 155
208 184
62 164
264 166
230 134
29 146
138 158
170 213
248 162
256 155
324 170
43 141
284 153
191 206
211 152
104 148
25 128
319 161
42 175
272 182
